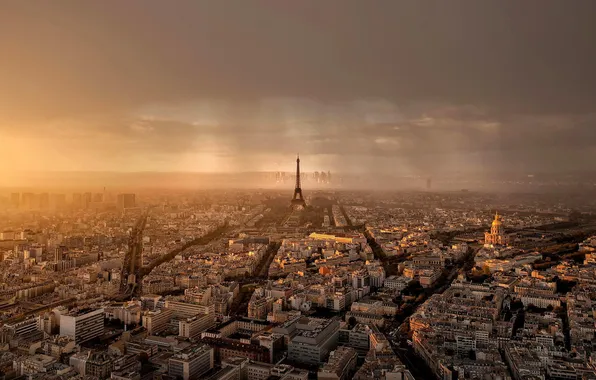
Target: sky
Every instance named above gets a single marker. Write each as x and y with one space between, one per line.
410 87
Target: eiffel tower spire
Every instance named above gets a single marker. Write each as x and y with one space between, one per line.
298 172
298 199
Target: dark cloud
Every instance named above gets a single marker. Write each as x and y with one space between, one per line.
425 85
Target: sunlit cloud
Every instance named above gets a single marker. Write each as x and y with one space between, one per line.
96 86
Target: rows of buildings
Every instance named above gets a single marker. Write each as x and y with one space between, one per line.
325 304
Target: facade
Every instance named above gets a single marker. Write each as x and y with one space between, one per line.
428 277
395 282
58 345
127 313
191 363
366 318
35 364
139 348
226 348
242 368
82 325
99 365
188 309
126 201
314 340
357 337
24 327
340 366
192 327
258 371
157 321
232 326
541 301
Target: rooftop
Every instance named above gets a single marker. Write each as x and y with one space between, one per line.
191 352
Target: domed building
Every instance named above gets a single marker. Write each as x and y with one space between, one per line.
497 235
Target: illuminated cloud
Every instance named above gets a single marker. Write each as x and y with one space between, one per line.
415 87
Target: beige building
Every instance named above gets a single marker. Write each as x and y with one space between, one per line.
340 366
157 321
82 325
191 363
193 327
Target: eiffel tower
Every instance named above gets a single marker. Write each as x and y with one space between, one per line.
298 202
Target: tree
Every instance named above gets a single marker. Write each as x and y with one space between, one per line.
517 304
486 270
352 321
143 357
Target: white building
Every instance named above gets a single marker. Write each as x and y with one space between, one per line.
192 327
157 321
314 340
82 325
191 363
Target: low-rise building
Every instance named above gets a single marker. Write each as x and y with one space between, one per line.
191 363
340 365
313 341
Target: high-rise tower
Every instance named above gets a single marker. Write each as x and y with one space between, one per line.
298 200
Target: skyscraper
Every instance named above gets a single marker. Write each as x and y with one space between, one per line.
44 201
59 253
87 197
29 201
126 201
77 200
57 201
15 199
323 177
